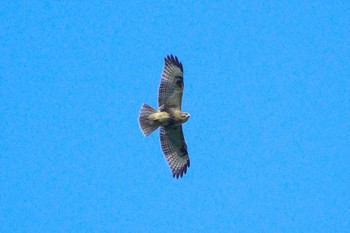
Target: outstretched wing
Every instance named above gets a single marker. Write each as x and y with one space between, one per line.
172 85
175 149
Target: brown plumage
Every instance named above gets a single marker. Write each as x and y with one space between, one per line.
169 117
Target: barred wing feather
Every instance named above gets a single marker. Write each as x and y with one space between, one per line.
171 86
175 149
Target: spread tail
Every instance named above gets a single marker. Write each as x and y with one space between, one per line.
146 124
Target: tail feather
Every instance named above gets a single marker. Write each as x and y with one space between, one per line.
147 125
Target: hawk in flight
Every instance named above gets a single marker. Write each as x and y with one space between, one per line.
169 117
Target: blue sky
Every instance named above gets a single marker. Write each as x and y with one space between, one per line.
266 84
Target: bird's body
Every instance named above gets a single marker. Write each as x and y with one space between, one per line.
169 117
163 118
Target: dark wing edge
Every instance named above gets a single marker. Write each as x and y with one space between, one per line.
175 149
173 60
171 86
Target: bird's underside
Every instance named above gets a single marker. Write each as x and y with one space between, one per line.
169 117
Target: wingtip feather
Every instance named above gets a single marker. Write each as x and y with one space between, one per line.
173 60
182 171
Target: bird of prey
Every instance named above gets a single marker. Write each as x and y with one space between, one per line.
169 117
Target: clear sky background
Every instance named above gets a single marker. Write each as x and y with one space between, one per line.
267 85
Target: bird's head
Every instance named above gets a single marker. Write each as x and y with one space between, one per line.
185 116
